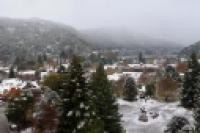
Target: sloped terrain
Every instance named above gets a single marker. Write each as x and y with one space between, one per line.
35 36
187 51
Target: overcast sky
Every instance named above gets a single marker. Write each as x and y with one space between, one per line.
173 20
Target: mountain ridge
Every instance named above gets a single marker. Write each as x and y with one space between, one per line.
35 36
187 51
123 38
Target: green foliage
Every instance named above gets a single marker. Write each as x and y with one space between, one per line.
105 102
150 89
130 89
197 117
18 108
171 72
190 90
176 125
78 111
53 81
197 108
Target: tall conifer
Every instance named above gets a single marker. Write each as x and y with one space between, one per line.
190 89
78 111
107 108
130 89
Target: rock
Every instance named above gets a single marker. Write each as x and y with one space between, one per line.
154 115
143 117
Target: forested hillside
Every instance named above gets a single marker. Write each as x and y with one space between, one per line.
30 37
187 51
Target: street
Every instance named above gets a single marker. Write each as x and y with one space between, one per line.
3 121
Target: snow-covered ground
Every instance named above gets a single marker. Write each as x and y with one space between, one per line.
131 112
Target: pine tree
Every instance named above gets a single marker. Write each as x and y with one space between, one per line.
141 59
171 72
11 73
130 89
39 59
197 117
197 107
78 112
190 89
107 109
150 89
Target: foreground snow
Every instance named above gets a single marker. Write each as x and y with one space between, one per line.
131 112
28 130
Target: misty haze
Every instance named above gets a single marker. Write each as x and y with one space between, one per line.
99 66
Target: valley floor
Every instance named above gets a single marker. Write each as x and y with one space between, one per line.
131 112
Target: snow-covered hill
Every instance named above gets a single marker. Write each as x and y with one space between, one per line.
35 36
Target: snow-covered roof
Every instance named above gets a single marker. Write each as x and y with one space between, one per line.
66 65
11 83
7 84
183 59
50 68
172 65
43 74
143 65
110 66
181 74
27 72
4 68
115 76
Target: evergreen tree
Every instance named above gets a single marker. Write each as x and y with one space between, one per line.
61 69
44 57
37 75
107 109
141 59
197 108
53 81
150 89
78 111
197 117
39 59
11 72
190 89
130 89
171 72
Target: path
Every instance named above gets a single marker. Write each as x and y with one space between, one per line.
3 121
